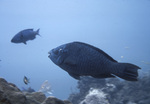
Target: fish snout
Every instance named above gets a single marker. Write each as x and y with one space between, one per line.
12 40
50 53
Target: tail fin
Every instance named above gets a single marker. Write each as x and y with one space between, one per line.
127 71
37 32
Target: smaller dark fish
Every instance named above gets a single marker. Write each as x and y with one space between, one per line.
25 35
26 80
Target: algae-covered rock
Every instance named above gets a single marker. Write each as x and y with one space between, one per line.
53 100
10 94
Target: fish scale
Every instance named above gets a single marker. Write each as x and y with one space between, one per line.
89 68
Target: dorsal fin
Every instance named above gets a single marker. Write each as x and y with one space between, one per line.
99 50
28 30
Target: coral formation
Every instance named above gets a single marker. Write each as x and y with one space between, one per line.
112 91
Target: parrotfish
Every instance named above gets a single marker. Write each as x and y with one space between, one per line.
82 59
25 35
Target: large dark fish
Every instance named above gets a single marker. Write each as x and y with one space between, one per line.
25 35
81 59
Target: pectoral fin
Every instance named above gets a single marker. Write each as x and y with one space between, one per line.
70 61
74 76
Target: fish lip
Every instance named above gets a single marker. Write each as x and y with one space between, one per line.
49 56
50 53
12 40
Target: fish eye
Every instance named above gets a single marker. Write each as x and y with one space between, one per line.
58 51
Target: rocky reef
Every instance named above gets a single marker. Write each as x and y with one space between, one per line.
91 91
10 94
112 91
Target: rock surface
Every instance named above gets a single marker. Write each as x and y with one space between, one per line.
10 94
112 91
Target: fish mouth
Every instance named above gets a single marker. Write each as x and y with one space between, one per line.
49 54
12 40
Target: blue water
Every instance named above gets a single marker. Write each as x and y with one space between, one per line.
119 27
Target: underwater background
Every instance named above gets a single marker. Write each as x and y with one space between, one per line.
121 28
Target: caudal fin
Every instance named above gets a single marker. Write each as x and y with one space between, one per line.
127 71
37 32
